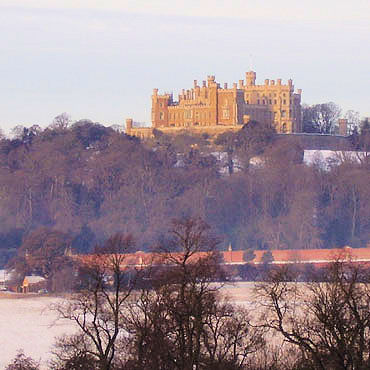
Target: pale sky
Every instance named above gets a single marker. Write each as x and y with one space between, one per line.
101 59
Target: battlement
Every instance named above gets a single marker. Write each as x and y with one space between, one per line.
211 105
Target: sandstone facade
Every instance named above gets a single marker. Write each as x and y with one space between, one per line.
214 109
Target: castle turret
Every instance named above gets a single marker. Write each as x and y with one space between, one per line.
160 105
211 81
250 78
129 122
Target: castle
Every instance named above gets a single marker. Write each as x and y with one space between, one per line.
214 109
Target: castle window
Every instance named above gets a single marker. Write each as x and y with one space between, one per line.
270 101
258 101
263 102
247 101
275 101
161 115
226 113
161 105
283 128
283 113
284 101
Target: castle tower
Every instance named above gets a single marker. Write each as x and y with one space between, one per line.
129 124
160 105
250 78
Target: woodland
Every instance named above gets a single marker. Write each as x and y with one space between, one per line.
80 183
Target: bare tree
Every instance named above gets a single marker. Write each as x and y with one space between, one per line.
252 140
328 321
61 121
21 362
353 120
320 118
249 255
98 308
183 323
227 141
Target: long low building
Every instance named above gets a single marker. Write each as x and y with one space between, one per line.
317 257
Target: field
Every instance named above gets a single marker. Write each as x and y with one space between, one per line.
28 323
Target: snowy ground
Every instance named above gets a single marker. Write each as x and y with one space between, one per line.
28 323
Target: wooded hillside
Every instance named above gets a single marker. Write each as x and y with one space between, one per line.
90 181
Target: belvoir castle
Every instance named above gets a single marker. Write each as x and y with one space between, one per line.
214 109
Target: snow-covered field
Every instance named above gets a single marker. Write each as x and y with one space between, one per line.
28 323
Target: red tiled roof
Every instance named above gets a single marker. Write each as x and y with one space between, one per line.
138 259
233 256
315 256
286 256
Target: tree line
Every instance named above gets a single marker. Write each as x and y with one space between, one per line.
90 181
